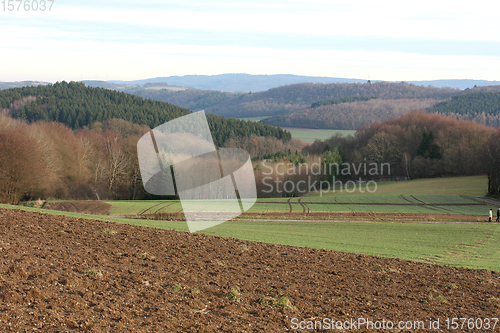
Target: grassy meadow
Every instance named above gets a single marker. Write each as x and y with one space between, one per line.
473 245
308 135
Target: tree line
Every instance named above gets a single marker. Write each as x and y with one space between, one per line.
76 106
415 145
479 106
50 160
340 100
418 145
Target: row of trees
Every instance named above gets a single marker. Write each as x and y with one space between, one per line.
339 100
50 160
415 145
418 145
42 160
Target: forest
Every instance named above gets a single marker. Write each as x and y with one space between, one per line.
193 99
415 145
294 97
339 100
70 141
482 107
50 160
76 105
349 115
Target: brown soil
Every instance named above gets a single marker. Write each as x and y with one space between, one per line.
63 274
366 216
81 206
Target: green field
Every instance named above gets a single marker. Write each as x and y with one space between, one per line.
473 245
423 196
257 119
465 245
463 186
171 88
310 135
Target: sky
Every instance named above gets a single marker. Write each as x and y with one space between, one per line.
131 40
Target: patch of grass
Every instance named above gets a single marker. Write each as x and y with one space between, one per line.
146 255
282 301
310 135
110 231
233 295
440 298
93 272
177 287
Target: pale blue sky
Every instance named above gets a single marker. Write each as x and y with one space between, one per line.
129 40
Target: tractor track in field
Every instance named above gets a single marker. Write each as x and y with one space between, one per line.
423 204
156 211
402 197
145 210
303 207
419 201
83 206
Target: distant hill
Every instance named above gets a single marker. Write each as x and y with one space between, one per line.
292 98
460 84
481 105
193 99
239 82
257 83
76 105
19 84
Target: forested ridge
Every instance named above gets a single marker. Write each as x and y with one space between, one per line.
339 100
193 99
481 106
76 106
291 98
349 115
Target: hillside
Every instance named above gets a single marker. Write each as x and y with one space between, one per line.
19 84
288 99
255 83
190 98
481 105
238 82
349 116
76 106
193 99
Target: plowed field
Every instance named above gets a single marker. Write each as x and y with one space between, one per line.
62 274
